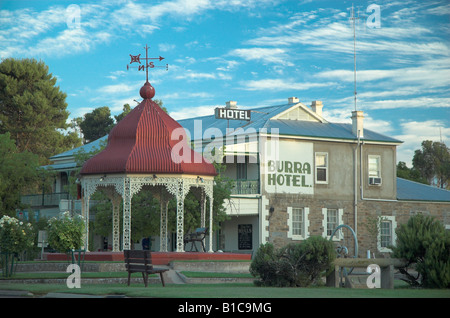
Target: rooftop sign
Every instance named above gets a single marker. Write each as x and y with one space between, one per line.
229 113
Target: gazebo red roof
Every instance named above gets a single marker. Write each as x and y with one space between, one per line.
141 143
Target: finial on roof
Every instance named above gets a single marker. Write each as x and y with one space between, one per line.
147 91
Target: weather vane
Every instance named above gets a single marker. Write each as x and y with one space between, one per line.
148 63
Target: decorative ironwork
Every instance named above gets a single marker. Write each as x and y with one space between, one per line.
127 195
148 63
125 187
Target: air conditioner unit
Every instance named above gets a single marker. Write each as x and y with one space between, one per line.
374 181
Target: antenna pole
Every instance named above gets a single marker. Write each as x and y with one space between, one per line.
354 52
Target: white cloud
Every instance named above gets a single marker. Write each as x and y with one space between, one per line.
165 47
51 32
416 102
69 41
178 95
440 10
334 33
80 112
133 12
116 74
414 132
190 112
426 75
191 75
118 88
280 84
266 55
341 115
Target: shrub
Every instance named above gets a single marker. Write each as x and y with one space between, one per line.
264 265
294 265
15 236
66 233
425 244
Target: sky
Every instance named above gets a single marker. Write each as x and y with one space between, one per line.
255 52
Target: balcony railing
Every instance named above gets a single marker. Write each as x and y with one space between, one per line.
49 199
246 187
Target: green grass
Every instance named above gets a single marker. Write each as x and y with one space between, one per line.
49 275
226 291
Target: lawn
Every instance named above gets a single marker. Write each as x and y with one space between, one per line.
225 290
229 290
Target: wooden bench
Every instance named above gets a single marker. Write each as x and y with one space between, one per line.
138 261
197 236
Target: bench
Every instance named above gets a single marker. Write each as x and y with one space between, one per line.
197 236
386 265
138 261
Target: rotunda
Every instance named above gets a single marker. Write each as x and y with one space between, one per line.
148 148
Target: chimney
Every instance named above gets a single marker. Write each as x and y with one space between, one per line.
231 104
317 106
357 123
293 100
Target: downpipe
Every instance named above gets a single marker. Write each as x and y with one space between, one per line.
355 203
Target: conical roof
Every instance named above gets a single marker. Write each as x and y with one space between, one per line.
141 143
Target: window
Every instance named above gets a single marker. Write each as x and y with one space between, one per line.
321 163
374 170
386 233
332 218
298 223
374 167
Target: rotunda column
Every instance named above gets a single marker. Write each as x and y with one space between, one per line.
127 214
180 215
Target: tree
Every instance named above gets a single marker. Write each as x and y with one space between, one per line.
125 111
221 192
424 243
33 109
433 163
410 174
96 124
18 170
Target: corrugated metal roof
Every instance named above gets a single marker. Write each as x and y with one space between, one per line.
61 166
262 118
408 190
87 148
142 143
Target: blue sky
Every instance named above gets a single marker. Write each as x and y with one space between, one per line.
255 52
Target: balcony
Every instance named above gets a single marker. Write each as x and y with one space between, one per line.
42 200
245 187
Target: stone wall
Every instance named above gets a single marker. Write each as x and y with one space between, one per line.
367 211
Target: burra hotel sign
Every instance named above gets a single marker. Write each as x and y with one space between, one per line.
289 168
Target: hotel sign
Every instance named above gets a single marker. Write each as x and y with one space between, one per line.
290 168
229 113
